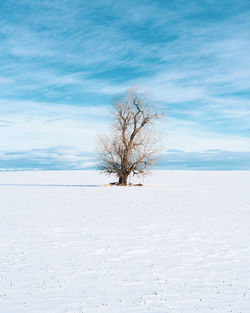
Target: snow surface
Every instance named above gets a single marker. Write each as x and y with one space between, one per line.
70 245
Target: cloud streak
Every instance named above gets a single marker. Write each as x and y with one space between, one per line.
53 158
71 158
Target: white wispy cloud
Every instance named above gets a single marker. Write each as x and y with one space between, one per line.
36 125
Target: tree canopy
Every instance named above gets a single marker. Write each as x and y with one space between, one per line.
132 145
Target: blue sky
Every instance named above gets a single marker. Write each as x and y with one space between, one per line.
62 61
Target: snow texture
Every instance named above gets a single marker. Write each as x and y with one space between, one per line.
179 244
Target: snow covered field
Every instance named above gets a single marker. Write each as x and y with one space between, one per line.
180 244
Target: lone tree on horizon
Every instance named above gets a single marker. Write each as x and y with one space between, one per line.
132 144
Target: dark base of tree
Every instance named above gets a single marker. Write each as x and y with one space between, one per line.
123 180
129 184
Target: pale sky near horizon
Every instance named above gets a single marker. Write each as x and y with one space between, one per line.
62 61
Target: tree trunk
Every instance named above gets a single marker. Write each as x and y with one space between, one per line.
123 180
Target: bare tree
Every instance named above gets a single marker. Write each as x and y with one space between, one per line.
132 145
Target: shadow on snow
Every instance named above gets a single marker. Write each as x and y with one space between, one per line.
50 185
